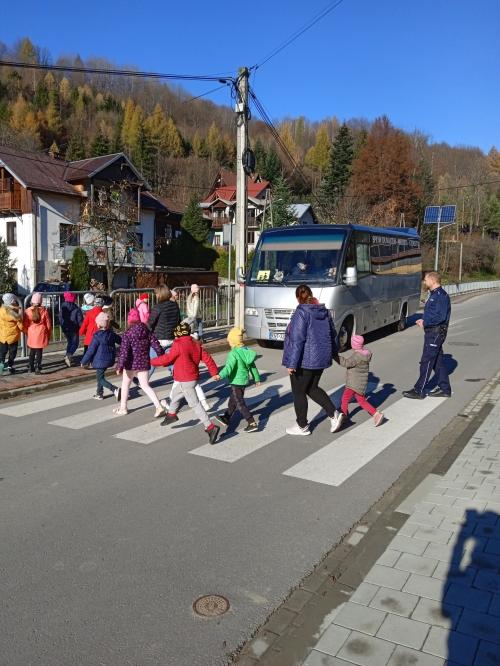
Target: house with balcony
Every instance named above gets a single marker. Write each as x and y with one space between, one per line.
220 207
41 203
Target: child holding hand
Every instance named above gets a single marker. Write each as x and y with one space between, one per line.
358 367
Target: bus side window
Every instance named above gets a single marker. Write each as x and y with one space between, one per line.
363 254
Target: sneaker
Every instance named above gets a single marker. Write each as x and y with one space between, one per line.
165 403
12 371
222 419
98 396
86 366
213 433
439 393
337 421
297 430
67 360
118 394
205 405
413 394
159 411
378 418
251 427
169 418
120 412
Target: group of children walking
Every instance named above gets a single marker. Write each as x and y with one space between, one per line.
138 351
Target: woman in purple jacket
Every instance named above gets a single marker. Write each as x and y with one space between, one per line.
133 361
310 343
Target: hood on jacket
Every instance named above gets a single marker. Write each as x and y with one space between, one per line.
316 310
15 313
246 354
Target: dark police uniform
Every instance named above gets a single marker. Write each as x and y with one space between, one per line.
437 313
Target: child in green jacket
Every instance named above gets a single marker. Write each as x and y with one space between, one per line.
239 364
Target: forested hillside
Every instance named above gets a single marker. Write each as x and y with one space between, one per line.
370 172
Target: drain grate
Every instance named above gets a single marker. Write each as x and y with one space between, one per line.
211 605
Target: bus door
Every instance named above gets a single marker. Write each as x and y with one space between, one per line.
358 255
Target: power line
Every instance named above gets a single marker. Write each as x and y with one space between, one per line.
118 72
208 92
316 19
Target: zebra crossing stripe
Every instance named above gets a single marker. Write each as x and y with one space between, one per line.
28 407
151 432
243 444
335 463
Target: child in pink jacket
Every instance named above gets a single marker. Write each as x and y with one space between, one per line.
142 305
36 322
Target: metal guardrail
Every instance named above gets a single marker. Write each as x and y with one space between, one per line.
215 309
466 287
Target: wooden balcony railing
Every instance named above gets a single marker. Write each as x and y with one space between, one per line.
10 201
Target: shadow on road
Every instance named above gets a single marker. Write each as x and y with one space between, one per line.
468 598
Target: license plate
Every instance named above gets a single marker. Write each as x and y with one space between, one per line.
275 335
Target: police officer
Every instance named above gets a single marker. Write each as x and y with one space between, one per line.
435 324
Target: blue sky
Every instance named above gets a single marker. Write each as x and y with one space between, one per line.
432 64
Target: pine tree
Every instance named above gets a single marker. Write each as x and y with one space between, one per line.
7 282
76 148
79 270
194 223
52 115
128 114
174 144
100 144
493 214
281 214
338 172
260 156
272 168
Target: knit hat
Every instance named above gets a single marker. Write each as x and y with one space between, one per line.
133 316
69 297
99 301
36 298
89 299
357 344
9 299
143 297
195 289
102 320
181 330
235 337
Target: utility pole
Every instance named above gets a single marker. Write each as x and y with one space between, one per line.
241 195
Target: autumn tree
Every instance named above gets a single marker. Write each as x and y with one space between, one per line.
107 225
318 156
384 171
494 162
76 147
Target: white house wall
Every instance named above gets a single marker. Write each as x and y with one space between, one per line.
22 254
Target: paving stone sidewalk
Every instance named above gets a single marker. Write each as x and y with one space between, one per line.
432 597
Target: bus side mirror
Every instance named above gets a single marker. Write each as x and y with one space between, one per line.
240 276
351 276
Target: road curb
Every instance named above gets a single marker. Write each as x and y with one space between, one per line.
7 394
293 628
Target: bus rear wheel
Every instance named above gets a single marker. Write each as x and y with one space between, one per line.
345 333
400 325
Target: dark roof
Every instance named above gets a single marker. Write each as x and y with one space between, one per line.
155 202
84 168
37 171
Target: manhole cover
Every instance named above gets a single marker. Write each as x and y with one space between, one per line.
211 605
464 344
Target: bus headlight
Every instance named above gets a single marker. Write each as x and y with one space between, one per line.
252 312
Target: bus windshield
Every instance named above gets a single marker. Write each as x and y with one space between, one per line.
301 256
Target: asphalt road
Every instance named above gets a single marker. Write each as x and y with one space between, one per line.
106 541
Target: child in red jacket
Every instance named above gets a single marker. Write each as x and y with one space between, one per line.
186 355
89 327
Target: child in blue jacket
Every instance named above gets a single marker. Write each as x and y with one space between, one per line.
102 354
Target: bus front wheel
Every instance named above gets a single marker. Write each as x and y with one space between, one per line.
345 333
